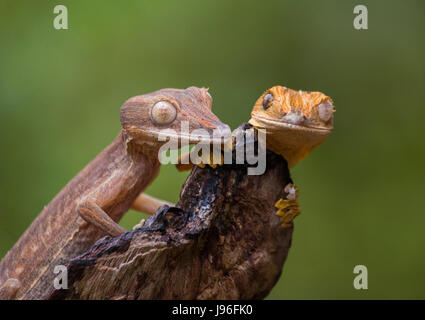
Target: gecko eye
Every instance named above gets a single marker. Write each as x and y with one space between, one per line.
325 110
163 113
268 98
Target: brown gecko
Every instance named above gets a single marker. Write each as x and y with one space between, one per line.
92 203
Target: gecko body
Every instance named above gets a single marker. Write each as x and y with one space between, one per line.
296 122
92 203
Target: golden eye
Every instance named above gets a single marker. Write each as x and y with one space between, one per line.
267 100
163 113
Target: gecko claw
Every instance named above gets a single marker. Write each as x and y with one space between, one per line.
140 224
185 163
288 208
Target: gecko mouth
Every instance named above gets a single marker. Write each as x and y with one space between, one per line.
273 124
216 136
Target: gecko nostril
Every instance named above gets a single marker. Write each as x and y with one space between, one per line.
294 117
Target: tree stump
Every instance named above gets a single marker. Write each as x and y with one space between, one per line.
225 242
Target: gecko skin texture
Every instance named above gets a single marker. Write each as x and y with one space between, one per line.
92 203
296 122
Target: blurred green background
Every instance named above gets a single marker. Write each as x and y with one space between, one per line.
362 191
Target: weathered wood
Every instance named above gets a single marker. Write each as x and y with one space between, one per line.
228 243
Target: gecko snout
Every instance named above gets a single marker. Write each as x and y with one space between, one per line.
213 133
292 117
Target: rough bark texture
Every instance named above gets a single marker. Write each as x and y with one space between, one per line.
227 243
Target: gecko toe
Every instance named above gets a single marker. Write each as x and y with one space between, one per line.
288 208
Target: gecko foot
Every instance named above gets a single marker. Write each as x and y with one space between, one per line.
140 224
288 208
209 160
184 160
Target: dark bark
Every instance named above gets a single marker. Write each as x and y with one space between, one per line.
226 242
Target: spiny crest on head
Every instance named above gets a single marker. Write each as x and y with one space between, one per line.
203 94
297 101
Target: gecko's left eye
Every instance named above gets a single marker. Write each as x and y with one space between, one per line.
163 113
267 100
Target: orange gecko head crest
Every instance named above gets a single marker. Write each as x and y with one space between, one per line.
295 121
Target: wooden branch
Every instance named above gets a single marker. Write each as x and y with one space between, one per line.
227 244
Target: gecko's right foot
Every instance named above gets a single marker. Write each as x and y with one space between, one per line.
213 159
183 162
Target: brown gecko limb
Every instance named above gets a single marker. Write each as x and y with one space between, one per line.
92 213
148 204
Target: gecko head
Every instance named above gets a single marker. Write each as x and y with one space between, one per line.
175 113
295 121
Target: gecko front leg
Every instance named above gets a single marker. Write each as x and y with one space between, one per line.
92 213
148 204
106 204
